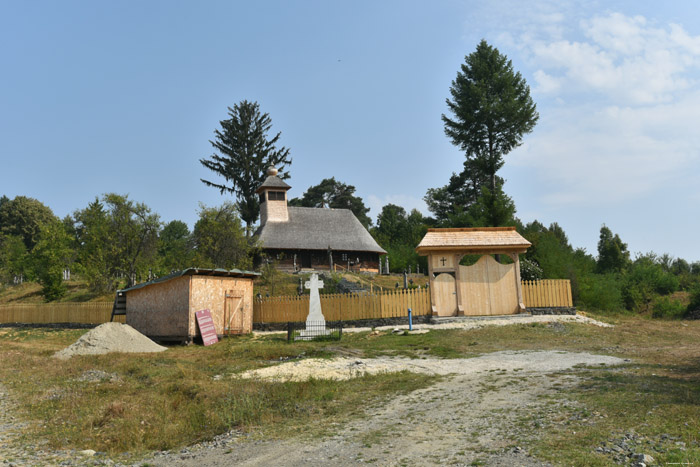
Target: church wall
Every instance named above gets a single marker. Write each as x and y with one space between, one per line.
368 262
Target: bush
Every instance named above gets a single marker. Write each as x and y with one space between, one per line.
530 270
666 307
693 309
601 292
644 280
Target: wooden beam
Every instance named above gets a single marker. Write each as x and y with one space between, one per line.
518 283
431 283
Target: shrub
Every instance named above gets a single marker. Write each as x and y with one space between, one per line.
601 292
693 309
666 307
644 280
530 270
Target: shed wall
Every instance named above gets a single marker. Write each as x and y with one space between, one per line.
209 292
160 310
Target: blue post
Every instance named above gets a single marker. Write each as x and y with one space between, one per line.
410 320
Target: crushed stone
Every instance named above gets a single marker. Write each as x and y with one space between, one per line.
110 337
507 361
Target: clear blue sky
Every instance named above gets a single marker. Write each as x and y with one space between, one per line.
123 97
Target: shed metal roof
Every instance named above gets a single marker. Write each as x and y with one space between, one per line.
318 229
197 272
478 238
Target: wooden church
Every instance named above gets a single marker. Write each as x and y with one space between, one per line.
300 238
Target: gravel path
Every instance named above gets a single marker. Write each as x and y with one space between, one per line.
476 414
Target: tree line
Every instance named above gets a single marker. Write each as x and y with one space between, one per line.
115 240
112 242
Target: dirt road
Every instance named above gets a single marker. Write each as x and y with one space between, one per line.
482 413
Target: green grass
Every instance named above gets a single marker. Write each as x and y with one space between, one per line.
175 399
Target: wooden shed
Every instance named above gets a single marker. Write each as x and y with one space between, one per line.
164 309
484 288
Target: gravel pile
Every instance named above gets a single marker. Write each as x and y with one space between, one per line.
110 337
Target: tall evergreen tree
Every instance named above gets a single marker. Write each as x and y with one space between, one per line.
612 252
491 110
244 154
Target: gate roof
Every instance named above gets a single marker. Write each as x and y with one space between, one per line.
482 240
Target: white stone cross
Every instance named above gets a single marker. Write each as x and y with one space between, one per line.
313 284
315 321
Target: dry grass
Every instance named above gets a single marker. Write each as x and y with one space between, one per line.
175 399
30 292
162 401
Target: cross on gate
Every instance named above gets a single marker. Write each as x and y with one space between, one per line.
443 259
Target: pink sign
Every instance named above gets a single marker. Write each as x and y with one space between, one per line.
206 327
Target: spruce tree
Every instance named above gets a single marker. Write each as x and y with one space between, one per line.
244 152
491 110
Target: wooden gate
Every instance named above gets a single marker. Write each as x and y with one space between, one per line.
234 314
488 288
445 295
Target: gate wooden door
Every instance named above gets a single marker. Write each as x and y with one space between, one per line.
233 312
488 288
445 295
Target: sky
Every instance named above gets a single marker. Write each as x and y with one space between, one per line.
124 97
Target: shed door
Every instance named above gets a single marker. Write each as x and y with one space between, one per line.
233 314
445 295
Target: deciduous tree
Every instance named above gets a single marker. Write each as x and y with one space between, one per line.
219 239
50 256
175 247
331 193
24 217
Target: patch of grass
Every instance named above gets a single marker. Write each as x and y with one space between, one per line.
30 292
162 401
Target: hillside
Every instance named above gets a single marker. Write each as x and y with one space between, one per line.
284 284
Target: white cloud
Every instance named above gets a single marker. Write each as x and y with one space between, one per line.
588 157
624 59
619 98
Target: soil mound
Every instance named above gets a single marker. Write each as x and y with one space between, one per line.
110 337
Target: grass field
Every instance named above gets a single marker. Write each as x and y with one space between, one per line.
184 395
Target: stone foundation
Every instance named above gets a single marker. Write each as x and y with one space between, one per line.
556 310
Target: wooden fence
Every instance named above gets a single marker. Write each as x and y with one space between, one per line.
44 313
344 306
547 293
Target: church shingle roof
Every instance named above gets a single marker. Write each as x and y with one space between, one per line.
318 229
